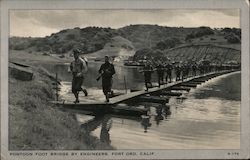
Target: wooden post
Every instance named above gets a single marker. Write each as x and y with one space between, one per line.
125 84
56 88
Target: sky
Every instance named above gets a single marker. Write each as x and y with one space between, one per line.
41 23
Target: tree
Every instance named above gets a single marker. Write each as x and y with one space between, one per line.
167 43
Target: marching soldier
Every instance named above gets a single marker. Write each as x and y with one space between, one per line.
194 67
201 68
182 68
107 71
160 72
169 72
78 67
148 70
185 70
178 72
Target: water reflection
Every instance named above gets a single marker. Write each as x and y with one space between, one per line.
159 117
103 121
146 123
106 126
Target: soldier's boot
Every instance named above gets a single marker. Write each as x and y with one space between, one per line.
76 101
107 97
76 96
112 93
146 85
85 92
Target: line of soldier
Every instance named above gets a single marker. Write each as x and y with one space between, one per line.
182 71
79 67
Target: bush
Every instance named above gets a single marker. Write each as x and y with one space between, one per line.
70 37
201 31
168 43
98 46
67 47
141 53
227 30
190 36
233 39
19 47
46 48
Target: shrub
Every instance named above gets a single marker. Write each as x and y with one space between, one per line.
70 37
233 39
168 43
227 30
201 31
190 36
46 48
98 46
19 47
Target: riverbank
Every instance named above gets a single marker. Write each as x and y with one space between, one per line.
34 124
36 58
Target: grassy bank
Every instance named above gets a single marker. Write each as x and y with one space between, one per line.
34 124
35 58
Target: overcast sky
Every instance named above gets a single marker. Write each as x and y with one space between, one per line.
40 23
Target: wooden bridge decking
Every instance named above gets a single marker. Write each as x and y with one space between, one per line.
131 95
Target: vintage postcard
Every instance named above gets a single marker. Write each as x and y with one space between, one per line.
124 79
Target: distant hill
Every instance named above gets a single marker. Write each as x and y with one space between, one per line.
88 39
127 41
213 53
147 36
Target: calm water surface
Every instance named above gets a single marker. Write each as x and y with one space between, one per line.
208 117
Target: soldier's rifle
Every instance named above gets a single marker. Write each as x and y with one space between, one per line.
101 74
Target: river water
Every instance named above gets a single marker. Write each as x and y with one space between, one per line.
207 117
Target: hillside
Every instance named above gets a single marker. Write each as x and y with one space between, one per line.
97 41
213 53
143 36
89 39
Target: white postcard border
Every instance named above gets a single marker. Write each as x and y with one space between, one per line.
243 5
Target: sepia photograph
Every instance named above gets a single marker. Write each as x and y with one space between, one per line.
123 82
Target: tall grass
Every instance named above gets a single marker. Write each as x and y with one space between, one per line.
34 124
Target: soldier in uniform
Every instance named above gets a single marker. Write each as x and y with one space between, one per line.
177 72
201 68
107 71
194 67
78 67
148 70
169 72
185 71
160 72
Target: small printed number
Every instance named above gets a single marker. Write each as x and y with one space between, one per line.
233 153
